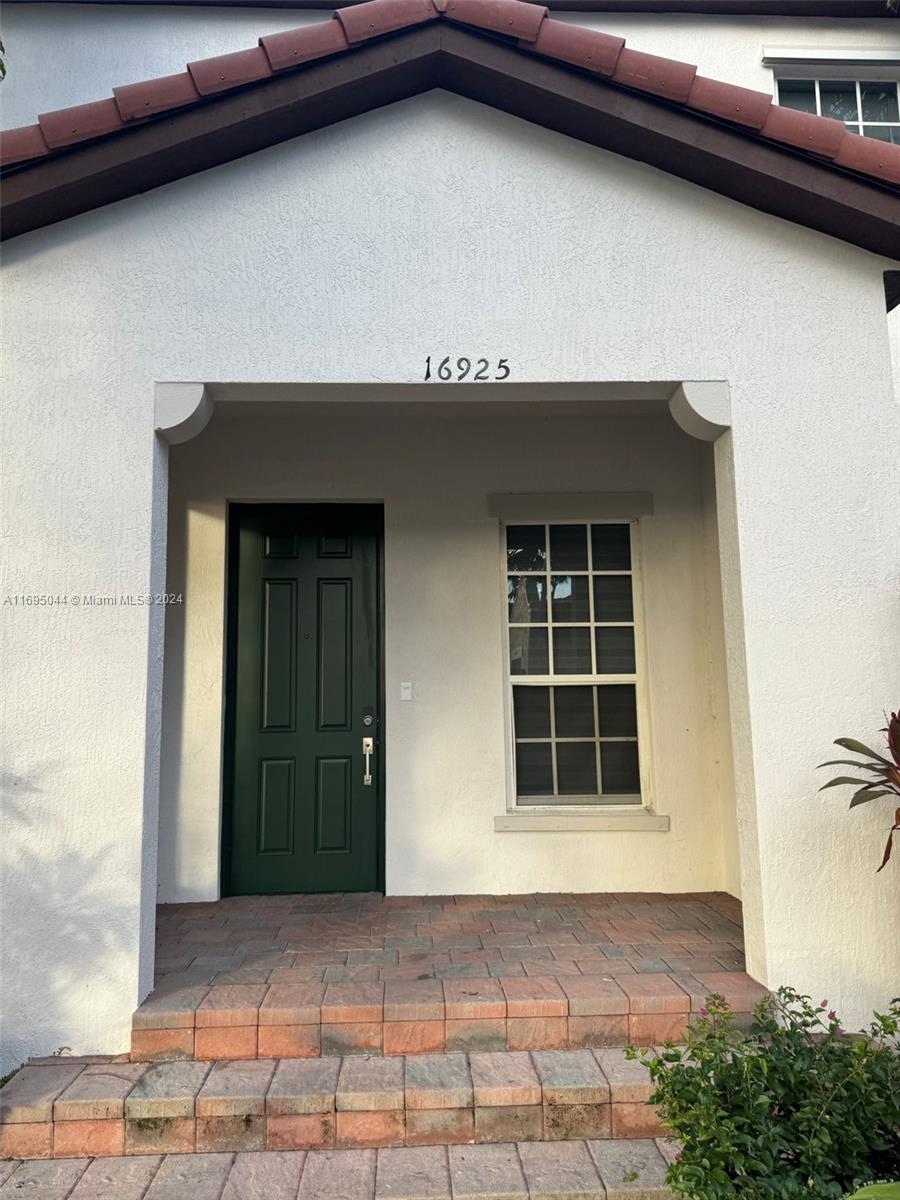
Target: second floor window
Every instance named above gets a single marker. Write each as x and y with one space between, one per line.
865 106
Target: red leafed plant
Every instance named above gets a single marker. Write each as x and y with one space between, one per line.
884 772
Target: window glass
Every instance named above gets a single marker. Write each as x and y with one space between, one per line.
799 94
838 99
879 102
570 615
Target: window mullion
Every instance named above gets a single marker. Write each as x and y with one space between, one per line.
592 615
553 740
594 689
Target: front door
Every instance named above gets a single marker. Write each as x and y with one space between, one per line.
303 811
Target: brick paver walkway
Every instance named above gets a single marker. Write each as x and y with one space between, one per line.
580 1170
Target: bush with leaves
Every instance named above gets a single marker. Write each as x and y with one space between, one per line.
792 1108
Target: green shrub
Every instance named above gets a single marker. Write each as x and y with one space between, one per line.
794 1107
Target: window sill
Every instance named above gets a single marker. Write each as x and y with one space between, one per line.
563 822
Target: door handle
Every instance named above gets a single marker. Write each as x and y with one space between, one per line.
368 750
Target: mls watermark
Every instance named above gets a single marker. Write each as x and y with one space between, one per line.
90 600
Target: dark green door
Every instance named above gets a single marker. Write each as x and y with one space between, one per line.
303 812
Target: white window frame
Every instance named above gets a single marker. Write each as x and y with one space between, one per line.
640 678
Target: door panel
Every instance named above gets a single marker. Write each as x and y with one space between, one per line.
304 690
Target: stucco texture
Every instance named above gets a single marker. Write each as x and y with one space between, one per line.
348 256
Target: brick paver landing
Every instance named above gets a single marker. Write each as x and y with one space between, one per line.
302 976
369 937
582 1170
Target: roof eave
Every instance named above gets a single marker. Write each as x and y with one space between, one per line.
865 9
734 163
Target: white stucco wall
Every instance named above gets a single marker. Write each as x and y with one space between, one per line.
446 764
70 54
327 259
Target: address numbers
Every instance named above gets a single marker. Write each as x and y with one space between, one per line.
455 370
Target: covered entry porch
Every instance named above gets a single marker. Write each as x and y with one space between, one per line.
549 701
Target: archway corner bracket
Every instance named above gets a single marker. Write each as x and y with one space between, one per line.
702 408
181 411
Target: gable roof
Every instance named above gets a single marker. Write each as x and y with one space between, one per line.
508 53
743 8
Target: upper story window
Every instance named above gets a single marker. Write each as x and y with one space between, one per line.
867 106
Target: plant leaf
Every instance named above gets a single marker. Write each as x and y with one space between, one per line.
890 842
859 748
850 762
843 779
863 796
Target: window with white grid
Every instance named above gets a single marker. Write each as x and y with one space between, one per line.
869 106
572 663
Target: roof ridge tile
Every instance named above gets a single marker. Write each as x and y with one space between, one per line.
22 144
869 156
374 18
586 48
225 71
516 18
742 105
297 46
152 96
665 77
806 131
65 126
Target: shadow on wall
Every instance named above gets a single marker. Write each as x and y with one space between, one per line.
61 926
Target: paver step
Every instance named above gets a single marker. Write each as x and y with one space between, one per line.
578 1170
65 1108
290 1018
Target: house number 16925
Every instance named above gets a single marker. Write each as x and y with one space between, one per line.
456 370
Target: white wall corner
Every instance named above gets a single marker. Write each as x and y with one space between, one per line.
181 411
702 408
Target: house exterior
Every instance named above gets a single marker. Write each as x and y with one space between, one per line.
450 448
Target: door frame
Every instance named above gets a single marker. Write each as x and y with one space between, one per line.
233 511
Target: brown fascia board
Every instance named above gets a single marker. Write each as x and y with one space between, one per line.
737 8
701 150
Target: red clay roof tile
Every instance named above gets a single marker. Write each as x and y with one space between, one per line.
297 46
211 75
65 126
741 105
517 18
377 17
818 135
153 96
19 145
870 156
660 76
585 48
